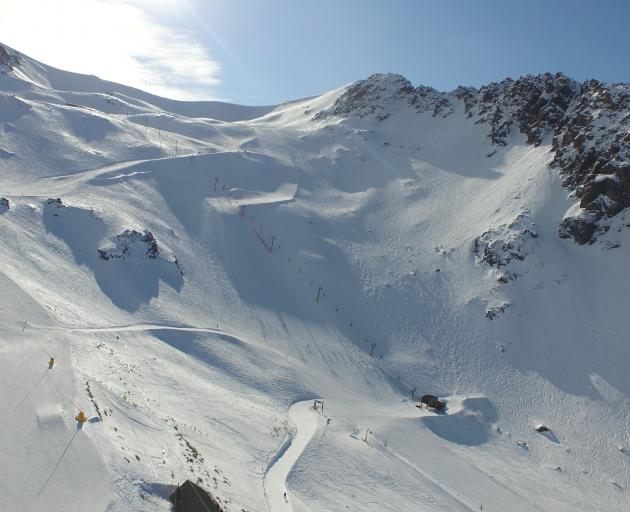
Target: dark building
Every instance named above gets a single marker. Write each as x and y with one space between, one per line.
189 497
432 402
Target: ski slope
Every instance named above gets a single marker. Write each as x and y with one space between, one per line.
298 257
306 421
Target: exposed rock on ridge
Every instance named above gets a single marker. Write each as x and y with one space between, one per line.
587 125
7 59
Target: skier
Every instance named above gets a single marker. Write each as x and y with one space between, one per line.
285 497
51 363
81 417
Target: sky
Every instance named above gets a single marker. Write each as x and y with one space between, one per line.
269 51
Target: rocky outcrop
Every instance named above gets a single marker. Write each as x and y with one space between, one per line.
4 205
587 125
535 104
495 310
499 245
380 95
580 227
131 243
589 128
375 97
7 59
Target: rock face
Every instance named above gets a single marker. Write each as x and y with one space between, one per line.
498 246
7 59
587 125
375 96
131 243
580 227
4 204
494 311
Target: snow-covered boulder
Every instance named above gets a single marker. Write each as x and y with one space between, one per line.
131 243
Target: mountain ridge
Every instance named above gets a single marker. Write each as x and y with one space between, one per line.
595 166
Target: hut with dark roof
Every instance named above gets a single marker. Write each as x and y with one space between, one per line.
189 497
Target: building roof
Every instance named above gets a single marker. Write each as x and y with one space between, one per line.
189 497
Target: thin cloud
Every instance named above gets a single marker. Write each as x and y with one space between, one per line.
117 40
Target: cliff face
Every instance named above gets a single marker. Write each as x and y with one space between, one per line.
586 124
7 59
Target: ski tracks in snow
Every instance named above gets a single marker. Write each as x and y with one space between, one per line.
306 421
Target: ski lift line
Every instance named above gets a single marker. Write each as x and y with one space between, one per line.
31 390
54 386
66 397
43 349
268 250
262 241
59 461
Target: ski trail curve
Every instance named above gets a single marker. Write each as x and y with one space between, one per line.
306 421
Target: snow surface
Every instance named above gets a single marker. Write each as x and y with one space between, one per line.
348 276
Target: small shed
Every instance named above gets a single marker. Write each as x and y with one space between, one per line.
432 402
189 497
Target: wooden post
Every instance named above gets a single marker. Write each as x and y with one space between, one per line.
320 403
319 290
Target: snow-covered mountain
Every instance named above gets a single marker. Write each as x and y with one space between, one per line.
202 272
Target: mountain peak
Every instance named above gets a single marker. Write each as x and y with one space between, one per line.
546 108
373 96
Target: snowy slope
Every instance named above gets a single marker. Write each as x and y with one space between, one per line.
201 273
